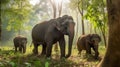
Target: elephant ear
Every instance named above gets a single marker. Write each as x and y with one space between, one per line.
56 24
95 37
89 38
59 22
99 38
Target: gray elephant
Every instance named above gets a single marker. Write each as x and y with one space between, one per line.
20 42
86 42
49 32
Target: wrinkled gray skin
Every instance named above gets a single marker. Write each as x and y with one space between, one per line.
49 32
20 42
86 42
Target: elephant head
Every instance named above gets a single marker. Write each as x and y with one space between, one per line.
95 39
65 24
22 43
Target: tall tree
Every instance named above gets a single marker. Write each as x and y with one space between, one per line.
112 56
60 8
80 5
54 6
81 11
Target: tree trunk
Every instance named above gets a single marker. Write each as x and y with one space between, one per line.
54 8
81 13
112 56
60 8
83 30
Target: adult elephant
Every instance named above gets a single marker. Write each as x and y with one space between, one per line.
86 42
49 32
20 42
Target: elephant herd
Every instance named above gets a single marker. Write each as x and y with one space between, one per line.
50 32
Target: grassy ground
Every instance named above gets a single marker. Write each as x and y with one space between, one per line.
10 59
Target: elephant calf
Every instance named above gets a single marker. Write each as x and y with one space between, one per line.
86 42
20 42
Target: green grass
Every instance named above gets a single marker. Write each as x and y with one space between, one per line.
10 59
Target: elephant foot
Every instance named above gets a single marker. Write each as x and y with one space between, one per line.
40 56
63 57
48 56
35 52
23 52
43 53
96 58
67 56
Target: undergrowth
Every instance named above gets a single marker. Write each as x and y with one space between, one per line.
10 59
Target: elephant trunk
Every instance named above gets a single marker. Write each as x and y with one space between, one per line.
24 48
71 36
96 45
96 50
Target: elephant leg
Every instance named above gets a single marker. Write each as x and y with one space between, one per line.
20 49
35 50
49 49
96 52
79 52
15 49
24 49
62 47
43 49
88 48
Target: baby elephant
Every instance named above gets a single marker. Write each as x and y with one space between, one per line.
20 42
86 42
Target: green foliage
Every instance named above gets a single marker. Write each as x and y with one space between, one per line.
96 13
81 4
46 64
1 64
9 58
28 64
37 63
12 64
17 13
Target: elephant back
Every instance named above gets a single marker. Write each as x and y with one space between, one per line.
18 39
81 42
